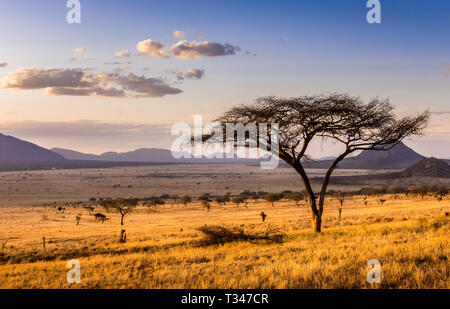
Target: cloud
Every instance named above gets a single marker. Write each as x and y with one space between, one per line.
113 63
32 78
79 82
200 35
194 73
121 69
91 135
195 49
178 34
3 64
79 53
189 74
446 69
123 54
441 113
152 48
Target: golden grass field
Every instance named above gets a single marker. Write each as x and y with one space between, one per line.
408 235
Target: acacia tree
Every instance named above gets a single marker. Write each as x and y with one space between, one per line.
121 205
185 200
296 197
272 198
340 118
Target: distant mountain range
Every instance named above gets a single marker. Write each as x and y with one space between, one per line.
16 154
144 155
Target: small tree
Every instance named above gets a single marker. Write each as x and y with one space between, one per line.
272 198
165 197
237 200
175 199
186 199
222 200
340 197
295 197
90 209
206 204
381 201
441 193
121 205
153 202
420 190
204 197
78 218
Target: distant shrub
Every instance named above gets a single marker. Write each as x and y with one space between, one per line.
295 197
185 200
272 197
153 202
100 217
238 200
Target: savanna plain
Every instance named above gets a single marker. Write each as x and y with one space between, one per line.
167 247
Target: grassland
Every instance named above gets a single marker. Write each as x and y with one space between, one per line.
34 188
408 235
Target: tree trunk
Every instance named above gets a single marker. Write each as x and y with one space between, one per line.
317 223
121 220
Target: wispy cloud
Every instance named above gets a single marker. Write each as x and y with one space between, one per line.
446 69
123 54
178 34
79 53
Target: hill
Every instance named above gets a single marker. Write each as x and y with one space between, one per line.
17 154
14 150
145 155
429 171
138 155
399 157
428 167
74 155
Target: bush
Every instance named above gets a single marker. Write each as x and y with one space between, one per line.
273 197
216 234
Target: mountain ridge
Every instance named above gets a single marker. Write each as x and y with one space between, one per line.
398 157
19 154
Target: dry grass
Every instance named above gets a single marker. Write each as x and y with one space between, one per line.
410 237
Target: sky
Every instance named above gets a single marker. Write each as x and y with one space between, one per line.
121 78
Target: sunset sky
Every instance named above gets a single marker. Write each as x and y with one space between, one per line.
120 79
